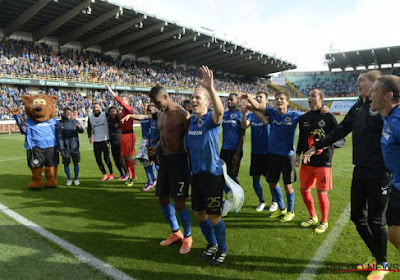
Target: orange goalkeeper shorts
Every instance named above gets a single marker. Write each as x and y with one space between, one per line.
322 176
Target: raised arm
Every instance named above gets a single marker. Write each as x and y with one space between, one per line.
252 102
19 119
245 122
208 83
119 100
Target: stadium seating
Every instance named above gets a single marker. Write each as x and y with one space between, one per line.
29 60
335 85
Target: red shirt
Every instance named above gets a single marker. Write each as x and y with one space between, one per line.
127 125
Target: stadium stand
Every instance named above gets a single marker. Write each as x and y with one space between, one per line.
25 59
82 105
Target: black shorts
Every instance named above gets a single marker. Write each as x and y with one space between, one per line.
393 211
76 157
258 165
207 191
38 157
173 175
227 156
281 164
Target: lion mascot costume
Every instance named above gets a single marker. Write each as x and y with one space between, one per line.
40 138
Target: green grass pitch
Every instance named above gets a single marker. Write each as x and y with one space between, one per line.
123 227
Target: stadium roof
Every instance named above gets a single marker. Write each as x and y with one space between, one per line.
364 58
116 27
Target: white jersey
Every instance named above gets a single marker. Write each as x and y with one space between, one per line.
100 127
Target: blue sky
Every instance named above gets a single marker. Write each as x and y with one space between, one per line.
297 31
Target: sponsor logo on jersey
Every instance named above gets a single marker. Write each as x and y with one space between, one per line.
195 132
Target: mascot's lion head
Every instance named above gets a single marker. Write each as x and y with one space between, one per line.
40 107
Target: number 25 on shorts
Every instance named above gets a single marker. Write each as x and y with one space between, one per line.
214 202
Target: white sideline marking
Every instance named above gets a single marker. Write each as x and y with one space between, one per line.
325 249
75 251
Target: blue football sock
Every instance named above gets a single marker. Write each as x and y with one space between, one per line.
169 214
278 196
290 201
154 169
274 199
186 221
67 172
208 232
219 230
258 188
149 176
76 171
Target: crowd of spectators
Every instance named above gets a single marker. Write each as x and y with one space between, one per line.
82 104
33 60
28 59
335 86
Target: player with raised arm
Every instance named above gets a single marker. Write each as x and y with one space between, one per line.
128 137
283 124
114 130
207 178
259 150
